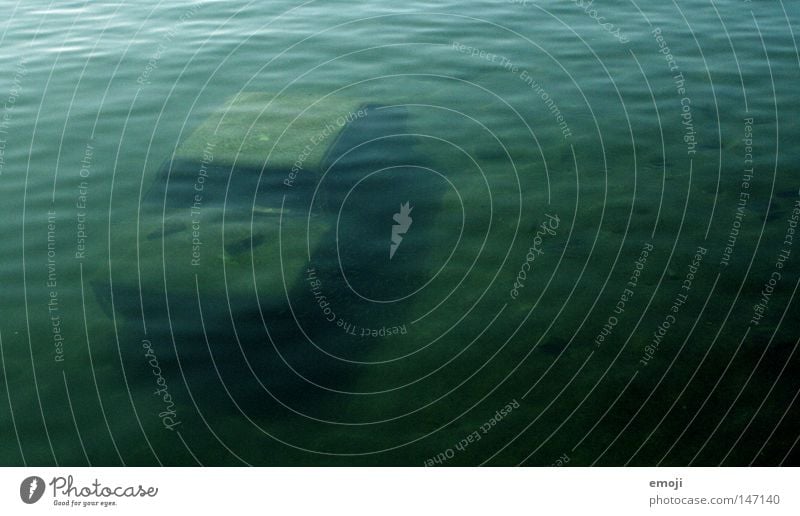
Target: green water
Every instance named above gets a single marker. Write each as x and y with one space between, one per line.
600 267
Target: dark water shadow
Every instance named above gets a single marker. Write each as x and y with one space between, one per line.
370 171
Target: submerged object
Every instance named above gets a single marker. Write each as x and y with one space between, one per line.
218 206
242 178
269 236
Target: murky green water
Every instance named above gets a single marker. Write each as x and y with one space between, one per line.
375 233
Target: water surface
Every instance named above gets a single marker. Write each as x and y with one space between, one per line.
599 267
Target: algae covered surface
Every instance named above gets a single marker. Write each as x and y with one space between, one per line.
275 131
